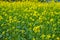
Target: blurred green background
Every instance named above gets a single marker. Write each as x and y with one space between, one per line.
33 0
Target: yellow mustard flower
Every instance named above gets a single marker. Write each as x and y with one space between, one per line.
36 29
13 27
10 19
48 36
39 5
5 14
30 24
14 20
51 20
35 13
58 38
33 39
48 22
3 32
42 36
2 24
31 18
52 14
1 18
40 19
53 35
22 31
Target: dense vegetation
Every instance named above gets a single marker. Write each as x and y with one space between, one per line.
29 21
31 0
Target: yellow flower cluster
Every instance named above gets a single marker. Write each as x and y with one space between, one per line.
1 18
36 29
29 21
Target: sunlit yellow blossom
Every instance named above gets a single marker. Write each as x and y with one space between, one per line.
54 25
13 27
39 5
2 24
33 39
48 36
53 35
51 20
9 10
34 14
22 31
14 20
40 19
58 38
10 19
30 24
56 13
5 14
52 14
31 18
48 22
36 29
3 32
1 18
42 36
15 17
26 9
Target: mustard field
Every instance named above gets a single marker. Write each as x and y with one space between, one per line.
29 21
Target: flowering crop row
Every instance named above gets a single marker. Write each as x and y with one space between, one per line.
29 21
